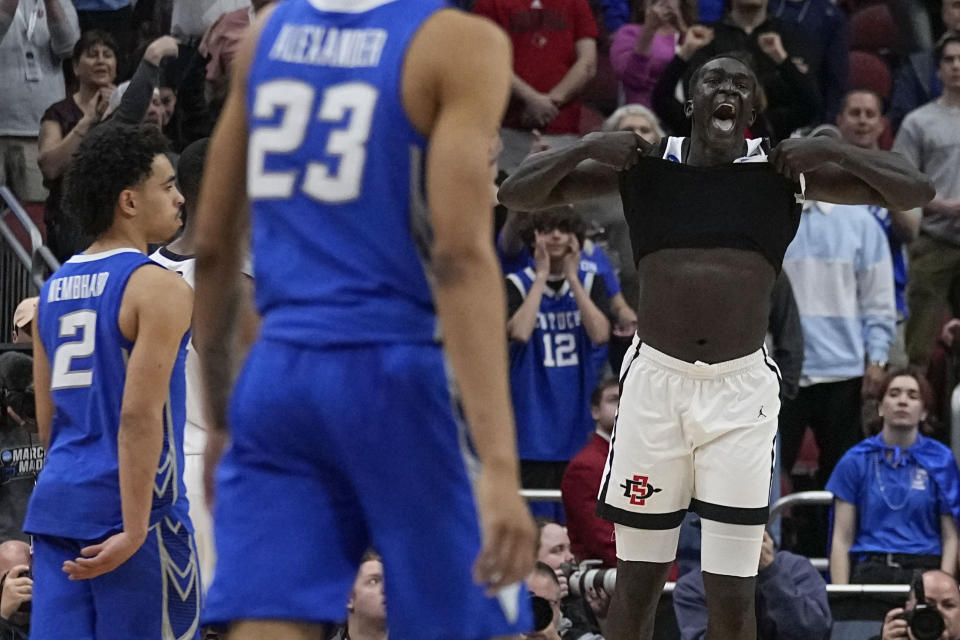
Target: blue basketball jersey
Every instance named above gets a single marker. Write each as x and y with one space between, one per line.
78 492
335 176
553 374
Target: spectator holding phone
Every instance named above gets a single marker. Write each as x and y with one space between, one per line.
643 48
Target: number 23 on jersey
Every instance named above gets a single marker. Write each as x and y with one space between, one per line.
349 103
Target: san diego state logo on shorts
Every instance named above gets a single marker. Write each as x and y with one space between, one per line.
638 489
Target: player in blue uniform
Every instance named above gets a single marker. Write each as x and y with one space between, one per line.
363 147
113 551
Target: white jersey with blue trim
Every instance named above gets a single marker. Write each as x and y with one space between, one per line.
756 152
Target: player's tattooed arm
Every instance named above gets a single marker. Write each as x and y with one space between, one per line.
844 174
584 170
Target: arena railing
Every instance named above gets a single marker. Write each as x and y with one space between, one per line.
541 495
801 498
23 266
857 609
790 500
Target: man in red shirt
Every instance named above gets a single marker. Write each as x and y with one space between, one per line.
591 537
554 57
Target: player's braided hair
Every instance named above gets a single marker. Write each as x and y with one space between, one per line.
113 157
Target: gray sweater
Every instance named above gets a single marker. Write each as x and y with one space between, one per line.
930 138
52 40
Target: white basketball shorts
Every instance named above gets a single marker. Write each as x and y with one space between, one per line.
692 436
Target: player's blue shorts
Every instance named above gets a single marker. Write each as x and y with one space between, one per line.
335 451
153 595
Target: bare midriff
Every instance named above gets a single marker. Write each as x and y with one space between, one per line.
710 305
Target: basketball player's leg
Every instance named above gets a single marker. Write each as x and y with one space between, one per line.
61 608
413 471
646 489
156 592
739 427
731 610
633 606
289 530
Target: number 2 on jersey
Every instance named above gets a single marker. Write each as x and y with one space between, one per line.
62 376
353 102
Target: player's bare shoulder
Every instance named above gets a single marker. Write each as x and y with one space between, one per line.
454 52
451 35
159 292
159 283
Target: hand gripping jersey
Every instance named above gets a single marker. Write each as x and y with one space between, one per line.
78 493
335 177
744 205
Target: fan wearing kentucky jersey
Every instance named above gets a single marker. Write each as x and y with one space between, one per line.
113 548
362 147
710 218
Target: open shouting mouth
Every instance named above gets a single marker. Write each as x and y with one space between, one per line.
724 116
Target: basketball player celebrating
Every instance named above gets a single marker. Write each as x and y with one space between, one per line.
346 123
710 218
108 370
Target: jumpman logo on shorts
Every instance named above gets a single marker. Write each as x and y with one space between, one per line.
761 414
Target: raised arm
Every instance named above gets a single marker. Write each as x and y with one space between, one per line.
63 26
594 320
844 174
136 99
523 321
578 172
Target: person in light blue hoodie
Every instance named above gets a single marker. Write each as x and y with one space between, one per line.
841 271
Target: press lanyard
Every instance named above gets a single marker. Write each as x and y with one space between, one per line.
32 20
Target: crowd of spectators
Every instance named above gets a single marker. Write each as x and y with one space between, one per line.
864 291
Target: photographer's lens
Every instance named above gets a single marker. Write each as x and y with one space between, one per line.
926 623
